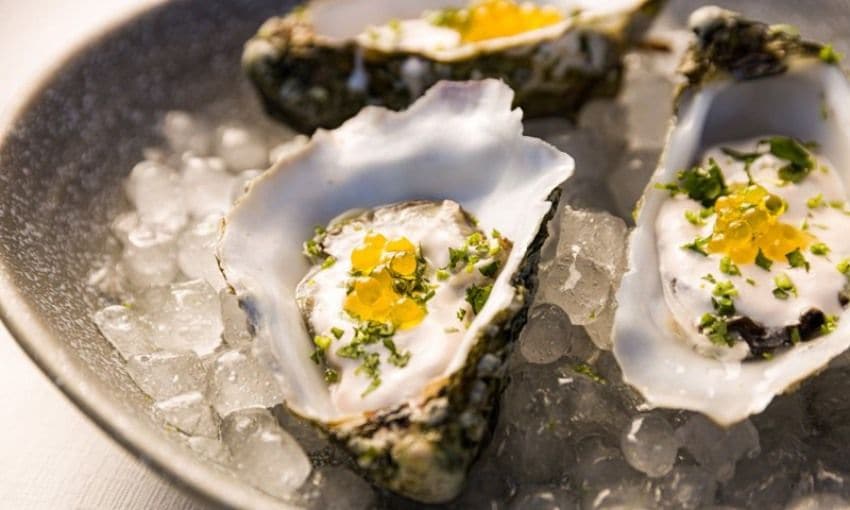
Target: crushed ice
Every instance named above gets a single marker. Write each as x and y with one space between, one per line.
570 434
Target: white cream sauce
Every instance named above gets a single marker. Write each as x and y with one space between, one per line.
816 288
432 344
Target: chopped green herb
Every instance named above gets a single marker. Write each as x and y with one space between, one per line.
456 256
704 185
351 351
461 313
694 218
800 161
795 336
784 287
723 298
709 278
815 202
337 332
588 371
844 267
828 54
489 270
442 275
396 358
329 261
729 267
751 281
331 376
762 261
830 324
820 249
322 342
697 245
371 367
495 234
715 329
796 259
477 296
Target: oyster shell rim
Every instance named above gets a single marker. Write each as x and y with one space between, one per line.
374 113
638 352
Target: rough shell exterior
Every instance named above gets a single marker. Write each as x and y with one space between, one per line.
420 448
303 80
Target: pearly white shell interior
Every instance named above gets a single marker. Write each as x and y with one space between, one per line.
667 371
460 141
340 21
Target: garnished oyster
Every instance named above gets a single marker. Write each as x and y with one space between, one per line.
739 264
320 64
392 332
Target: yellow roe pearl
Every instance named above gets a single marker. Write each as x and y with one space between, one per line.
748 221
373 296
489 19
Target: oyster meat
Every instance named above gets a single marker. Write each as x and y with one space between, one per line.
320 64
392 333
739 264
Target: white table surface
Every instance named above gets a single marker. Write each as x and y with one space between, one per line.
51 455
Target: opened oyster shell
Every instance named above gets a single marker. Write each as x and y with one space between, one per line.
319 65
399 180
737 287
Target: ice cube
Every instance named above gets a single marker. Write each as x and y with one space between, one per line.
629 179
545 337
125 330
819 502
185 133
285 149
338 488
264 454
237 380
150 256
602 473
650 445
543 497
235 320
715 448
687 487
596 236
190 413
212 449
241 149
586 270
163 374
647 121
207 185
184 316
196 251
600 329
154 189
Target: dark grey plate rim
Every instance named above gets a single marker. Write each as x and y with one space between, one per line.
75 381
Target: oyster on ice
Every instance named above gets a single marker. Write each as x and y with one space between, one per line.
393 335
738 267
320 64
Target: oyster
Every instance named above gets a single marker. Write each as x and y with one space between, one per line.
318 65
399 180
737 285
